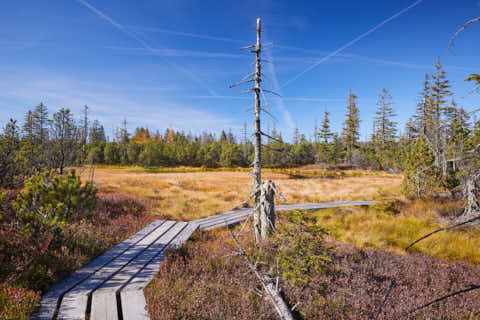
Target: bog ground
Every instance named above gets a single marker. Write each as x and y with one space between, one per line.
189 193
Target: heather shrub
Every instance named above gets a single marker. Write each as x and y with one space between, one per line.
16 303
202 281
33 258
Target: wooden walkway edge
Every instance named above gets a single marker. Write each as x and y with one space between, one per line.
111 286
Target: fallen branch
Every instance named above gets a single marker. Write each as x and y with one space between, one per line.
472 287
441 229
380 307
275 298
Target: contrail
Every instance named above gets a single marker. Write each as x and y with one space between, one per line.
349 44
145 44
271 68
187 34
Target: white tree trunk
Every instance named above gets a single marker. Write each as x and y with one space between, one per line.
257 164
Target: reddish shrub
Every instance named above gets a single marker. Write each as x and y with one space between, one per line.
34 261
199 282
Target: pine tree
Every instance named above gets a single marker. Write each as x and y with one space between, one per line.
350 133
63 151
40 118
385 130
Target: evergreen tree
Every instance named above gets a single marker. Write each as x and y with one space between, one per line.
29 125
336 152
385 130
325 134
424 116
439 92
64 145
97 133
40 128
350 133
296 135
420 176
9 147
324 137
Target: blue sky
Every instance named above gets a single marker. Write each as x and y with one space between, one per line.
168 63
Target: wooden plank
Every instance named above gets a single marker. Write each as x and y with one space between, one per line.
104 302
132 296
324 205
143 278
219 220
135 309
224 214
74 303
224 222
49 301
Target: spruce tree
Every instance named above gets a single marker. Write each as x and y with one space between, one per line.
385 130
296 135
29 125
324 137
439 92
423 116
325 134
350 133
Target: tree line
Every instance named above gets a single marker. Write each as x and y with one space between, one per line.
438 133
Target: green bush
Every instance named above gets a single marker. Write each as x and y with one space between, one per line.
298 249
50 200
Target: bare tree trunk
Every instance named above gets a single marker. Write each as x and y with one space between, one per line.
470 196
257 164
267 214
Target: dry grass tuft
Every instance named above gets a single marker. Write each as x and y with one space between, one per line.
370 228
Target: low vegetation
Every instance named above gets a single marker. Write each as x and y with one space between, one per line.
328 279
370 228
52 227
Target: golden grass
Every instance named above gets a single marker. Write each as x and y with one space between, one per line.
380 230
190 193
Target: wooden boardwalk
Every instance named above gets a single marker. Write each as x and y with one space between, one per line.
111 286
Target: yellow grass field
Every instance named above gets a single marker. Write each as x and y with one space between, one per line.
187 194
191 193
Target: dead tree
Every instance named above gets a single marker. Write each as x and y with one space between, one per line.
264 208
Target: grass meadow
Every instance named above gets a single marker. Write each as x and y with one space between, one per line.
192 193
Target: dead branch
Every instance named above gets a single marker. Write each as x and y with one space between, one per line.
441 229
472 287
269 91
248 47
380 307
275 298
450 45
240 83
269 136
